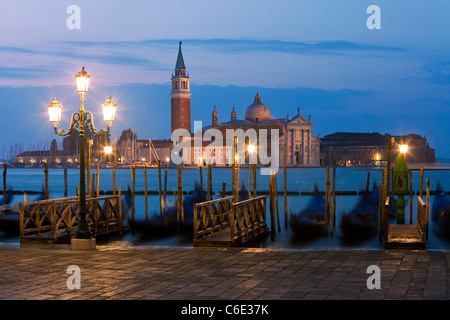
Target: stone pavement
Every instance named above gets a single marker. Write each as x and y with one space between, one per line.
177 273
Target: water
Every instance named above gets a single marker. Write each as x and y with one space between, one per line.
298 179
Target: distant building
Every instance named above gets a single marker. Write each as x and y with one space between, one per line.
297 145
52 157
347 149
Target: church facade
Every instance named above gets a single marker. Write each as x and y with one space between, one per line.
297 146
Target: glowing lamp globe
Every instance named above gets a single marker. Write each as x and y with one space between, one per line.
54 112
251 148
109 111
403 148
82 81
107 149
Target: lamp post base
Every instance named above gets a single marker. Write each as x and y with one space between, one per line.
83 244
83 230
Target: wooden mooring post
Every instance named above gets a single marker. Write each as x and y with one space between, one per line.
165 191
88 166
233 181
334 200
237 182
4 183
411 200
92 191
46 192
249 182
272 213
285 198
65 182
145 194
133 190
224 184
327 172
275 193
97 184
114 178
180 210
421 183
160 189
254 180
388 172
209 193
201 177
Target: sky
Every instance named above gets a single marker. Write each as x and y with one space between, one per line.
316 55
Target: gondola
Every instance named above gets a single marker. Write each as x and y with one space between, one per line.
126 202
440 213
310 222
167 223
9 197
362 219
10 216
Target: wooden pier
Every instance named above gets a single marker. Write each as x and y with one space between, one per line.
407 236
55 221
223 223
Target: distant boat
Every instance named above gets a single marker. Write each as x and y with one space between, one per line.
310 222
440 212
362 220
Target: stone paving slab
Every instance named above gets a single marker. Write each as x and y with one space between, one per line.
179 273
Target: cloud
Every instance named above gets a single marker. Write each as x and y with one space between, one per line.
21 73
246 45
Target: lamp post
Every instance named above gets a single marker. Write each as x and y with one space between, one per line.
82 119
400 187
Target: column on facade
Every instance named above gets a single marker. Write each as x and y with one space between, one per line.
292 147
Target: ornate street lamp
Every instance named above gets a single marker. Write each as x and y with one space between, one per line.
82 119
107 149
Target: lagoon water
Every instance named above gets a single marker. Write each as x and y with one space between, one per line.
298 179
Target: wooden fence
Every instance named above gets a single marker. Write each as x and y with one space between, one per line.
211 216
56 220
423 217
248 220
224 223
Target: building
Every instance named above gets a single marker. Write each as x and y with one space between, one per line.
295 143
297 146
349 148
52 157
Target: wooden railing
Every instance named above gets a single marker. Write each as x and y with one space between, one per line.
422 217
245 220
386 213
248 219
423 212
56 216
211 216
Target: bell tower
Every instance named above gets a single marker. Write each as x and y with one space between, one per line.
180 96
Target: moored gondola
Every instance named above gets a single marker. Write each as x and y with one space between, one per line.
8 199
10 216
310 222
362 219
440 213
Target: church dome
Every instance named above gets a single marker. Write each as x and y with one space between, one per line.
257 111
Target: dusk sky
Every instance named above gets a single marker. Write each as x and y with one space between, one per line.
318 55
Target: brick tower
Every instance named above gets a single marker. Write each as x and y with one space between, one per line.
180 96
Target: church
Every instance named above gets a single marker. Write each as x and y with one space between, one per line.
296 145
